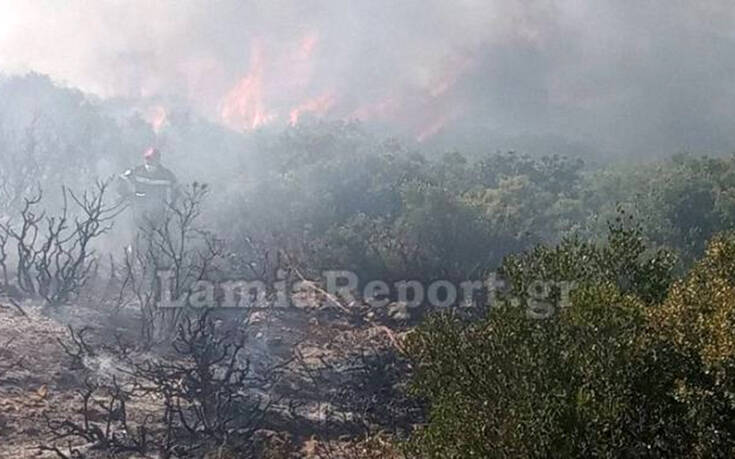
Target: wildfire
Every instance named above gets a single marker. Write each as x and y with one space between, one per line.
259 97
281 84
156 116
433 127
318 106
442 110
244 106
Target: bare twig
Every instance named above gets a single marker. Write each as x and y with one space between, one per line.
18 307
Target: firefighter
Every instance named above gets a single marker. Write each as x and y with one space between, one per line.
150 188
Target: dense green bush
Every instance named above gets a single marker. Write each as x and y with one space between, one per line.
343 199
510 386
681 202
623 259
622 371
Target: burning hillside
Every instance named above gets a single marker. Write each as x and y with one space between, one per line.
423 228
283 86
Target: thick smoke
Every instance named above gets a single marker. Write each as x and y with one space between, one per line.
611 76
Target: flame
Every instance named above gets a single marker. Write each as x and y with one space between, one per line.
441 108
319 106
433 127
281 86
261 95
156 116
244 106
298 63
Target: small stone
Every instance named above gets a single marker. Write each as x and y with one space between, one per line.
398 310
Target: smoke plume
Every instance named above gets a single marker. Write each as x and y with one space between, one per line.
626 77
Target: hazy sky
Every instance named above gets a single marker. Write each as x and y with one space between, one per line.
628 76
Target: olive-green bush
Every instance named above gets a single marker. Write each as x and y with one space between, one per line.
621 371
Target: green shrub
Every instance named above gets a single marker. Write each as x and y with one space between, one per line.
621 371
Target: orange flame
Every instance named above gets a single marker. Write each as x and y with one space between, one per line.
433 128
298 63
453 69
275 87
156 116
243 106
319 106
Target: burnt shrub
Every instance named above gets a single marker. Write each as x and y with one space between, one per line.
200 396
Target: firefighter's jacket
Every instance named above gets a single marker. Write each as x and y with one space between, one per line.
150 191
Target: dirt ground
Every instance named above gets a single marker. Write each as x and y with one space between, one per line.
34 380
351 409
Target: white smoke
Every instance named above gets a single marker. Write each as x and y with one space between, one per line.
636 77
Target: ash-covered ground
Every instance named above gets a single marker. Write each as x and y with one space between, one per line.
328 381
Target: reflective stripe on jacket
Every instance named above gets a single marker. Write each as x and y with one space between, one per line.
151 185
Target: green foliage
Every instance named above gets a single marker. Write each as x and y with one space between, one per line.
681 203
345 200
696 325
510 386
623 260
623 370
